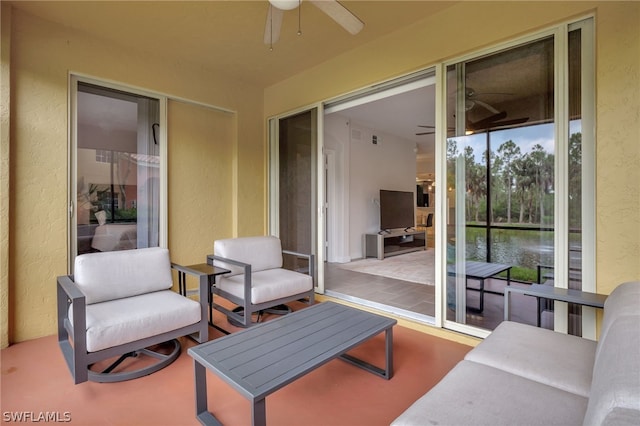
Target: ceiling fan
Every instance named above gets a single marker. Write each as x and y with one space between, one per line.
332 8
494 120
491 122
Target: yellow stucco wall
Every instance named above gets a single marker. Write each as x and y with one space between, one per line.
43 55
470 26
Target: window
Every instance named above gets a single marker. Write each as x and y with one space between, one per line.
515 161
116 173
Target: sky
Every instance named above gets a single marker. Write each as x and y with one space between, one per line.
525 137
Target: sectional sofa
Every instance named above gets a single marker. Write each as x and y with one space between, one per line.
524 375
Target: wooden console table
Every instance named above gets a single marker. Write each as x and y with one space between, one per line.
393 243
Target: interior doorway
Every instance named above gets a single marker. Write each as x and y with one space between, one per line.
381 140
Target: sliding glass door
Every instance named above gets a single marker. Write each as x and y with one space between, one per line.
116 169
293 186
516 155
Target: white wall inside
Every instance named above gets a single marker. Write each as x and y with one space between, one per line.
362 169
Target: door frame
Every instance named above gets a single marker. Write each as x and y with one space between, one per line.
273 132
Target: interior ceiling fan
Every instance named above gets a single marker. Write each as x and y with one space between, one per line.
494 120
332 8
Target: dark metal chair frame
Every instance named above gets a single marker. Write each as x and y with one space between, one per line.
72 338
242 317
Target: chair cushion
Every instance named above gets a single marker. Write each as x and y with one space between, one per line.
268 285
555 359
261 253
476 394
120 321
118 274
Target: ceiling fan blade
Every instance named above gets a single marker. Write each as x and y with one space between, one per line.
425 133
273 25
340 14
486 122
510 122
486 106
426 126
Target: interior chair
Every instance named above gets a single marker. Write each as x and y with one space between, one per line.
120 304
429 220
258 280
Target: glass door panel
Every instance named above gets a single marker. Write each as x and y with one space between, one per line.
117 170
296 186
500 177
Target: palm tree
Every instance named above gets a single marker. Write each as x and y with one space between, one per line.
509 152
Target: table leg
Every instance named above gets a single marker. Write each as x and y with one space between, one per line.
258 413
481 295
507 304
388 342
181 283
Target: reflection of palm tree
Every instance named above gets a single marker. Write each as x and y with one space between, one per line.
509 152
543 175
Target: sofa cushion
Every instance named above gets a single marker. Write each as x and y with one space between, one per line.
615 392
555 359
476 394
264 252
120 321
623 300
118 274
268 285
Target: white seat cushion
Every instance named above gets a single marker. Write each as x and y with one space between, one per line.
555 359
475 394
118 274
268 285
116 322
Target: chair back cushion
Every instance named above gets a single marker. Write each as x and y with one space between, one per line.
118 274
261 253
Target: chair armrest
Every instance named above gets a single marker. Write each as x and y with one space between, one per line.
247 272
68 293
70 289
203 281
212 257
309 257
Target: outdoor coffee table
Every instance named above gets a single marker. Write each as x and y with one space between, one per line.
264 358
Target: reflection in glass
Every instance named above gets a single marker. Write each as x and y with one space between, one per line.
117 170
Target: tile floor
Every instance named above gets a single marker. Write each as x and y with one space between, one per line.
417 301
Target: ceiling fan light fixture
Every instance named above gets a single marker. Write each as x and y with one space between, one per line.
285 4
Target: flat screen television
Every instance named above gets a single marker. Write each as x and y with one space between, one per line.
396 209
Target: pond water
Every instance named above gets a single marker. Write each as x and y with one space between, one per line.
522 248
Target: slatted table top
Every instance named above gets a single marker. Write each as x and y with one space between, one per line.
481 270
264 358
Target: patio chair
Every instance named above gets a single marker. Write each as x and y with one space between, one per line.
258 280
120 304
